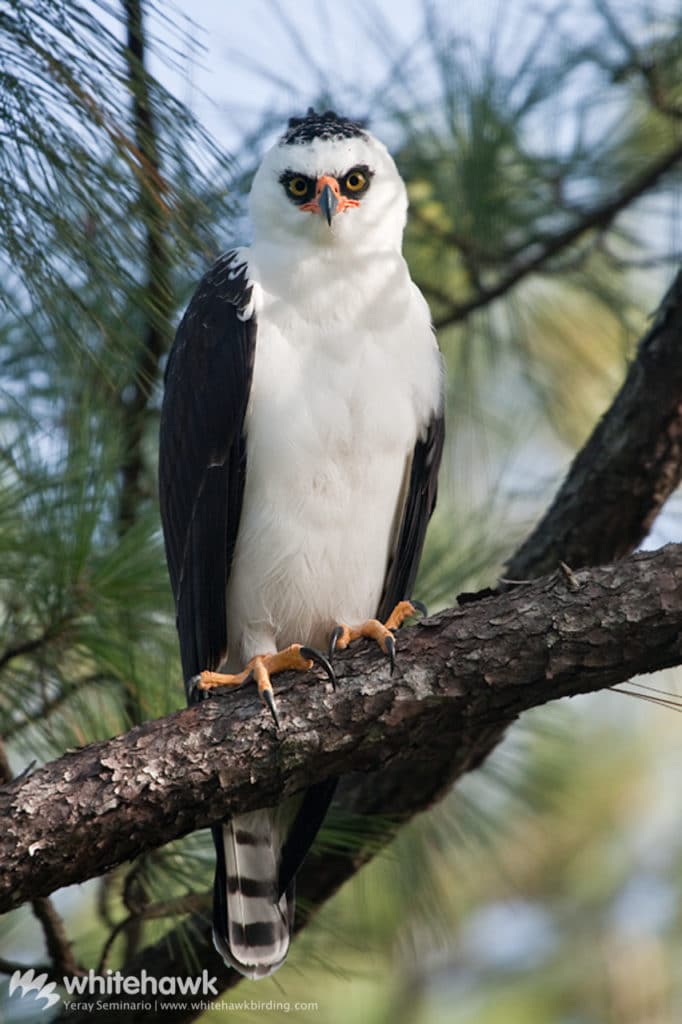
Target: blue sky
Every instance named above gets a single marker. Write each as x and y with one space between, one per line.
234 60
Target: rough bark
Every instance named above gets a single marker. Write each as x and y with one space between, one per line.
460 676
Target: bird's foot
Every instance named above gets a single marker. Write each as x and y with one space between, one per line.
380 632
262 667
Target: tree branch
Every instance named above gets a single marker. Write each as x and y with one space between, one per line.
460 676
628 468
59 948
135 394
569 531
600 216
62 959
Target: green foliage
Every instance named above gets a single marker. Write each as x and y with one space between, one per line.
540 223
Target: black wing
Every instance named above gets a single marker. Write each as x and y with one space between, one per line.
202 456
418 507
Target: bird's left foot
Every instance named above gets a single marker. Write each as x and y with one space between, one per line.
260 668
380 632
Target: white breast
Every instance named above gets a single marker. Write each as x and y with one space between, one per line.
344 384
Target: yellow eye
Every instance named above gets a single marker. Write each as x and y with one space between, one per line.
356 181
297 187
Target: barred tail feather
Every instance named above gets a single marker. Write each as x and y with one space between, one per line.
251 922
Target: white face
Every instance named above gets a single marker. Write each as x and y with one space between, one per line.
369 196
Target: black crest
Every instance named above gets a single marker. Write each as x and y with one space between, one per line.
321 126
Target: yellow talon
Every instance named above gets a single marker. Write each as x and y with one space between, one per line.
373 629
403 610
209 680
295 657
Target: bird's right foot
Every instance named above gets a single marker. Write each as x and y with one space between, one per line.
296 657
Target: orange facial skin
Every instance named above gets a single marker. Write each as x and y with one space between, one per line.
344 203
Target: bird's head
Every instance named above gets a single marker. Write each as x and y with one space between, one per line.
329 182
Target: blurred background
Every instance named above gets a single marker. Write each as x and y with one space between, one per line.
542 147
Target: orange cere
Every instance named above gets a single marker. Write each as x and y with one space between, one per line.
344 202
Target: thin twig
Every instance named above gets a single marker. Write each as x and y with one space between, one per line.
29 646
10 966
190 903
58 946
671 705
600 216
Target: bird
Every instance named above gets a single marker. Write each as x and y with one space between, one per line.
300 442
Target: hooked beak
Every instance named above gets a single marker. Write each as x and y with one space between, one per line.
329 203
328 199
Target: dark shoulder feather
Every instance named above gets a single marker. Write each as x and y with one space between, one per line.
419 504
202 456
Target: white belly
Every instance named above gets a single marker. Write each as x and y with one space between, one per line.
331 427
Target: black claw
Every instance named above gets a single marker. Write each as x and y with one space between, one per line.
26 772
420 607
269 701
333 640
389 643
194 694
318 657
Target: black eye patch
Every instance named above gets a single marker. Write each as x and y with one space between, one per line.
356 181
298 187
